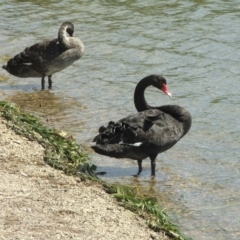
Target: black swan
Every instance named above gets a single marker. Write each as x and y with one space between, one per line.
147 133
47 57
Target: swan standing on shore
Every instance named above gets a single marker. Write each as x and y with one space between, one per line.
47 57
147 133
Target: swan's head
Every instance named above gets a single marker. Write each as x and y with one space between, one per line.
69 28
161 83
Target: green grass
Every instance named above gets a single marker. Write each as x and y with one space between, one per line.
60 152
67 155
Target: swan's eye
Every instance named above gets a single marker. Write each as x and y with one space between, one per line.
161 84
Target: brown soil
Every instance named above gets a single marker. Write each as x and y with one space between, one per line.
39 202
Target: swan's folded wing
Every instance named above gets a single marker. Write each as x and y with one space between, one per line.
149 128
37 53
154 128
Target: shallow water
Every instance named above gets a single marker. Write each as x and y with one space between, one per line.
194 44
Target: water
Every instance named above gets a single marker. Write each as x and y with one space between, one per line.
195 44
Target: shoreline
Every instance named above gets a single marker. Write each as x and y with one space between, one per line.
34 196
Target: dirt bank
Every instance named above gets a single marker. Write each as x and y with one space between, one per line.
39 202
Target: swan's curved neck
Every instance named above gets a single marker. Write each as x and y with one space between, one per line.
139 98
62 36
179 113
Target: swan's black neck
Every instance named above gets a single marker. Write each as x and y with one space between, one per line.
62 34
139 98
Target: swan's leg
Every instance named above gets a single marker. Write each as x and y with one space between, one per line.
153 165
139 167
43 82
50 81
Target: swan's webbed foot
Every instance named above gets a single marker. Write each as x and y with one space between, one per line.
49 81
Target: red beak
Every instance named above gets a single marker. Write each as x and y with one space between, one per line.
165 90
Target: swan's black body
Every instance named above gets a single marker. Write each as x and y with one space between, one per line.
47 57
145 134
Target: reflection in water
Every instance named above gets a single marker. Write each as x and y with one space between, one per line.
194 44
46 104
3 78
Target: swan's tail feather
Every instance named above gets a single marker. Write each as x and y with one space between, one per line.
21 58
116 133
110 134
22 70
21 65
